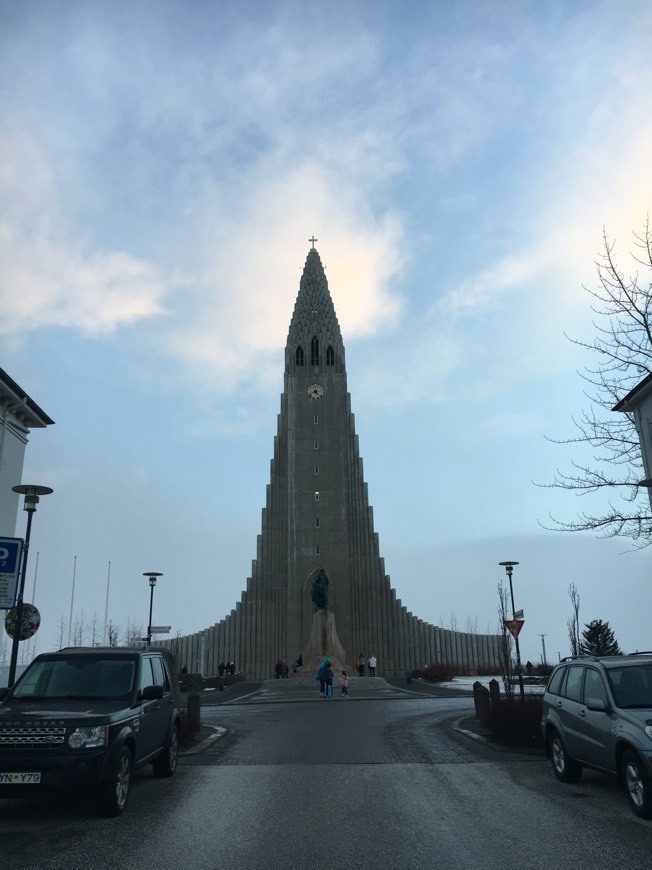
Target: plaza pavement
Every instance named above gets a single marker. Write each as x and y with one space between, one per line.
306 688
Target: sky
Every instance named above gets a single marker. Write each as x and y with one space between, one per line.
163 165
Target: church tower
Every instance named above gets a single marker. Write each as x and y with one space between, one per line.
317 520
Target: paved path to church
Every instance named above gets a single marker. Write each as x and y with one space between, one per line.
307 689
298 689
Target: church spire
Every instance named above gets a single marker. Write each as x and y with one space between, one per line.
314 338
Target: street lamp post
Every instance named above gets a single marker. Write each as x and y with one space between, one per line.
543 645
32 495
152 583
509 567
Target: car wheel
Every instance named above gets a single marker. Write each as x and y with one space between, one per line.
566 769
638 784
166 763
114 792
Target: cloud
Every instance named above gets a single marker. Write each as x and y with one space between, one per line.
50 278
227 325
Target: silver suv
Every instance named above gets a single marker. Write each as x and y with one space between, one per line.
597 712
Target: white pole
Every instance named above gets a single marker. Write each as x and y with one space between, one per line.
31 643
72 598
106 606
35 576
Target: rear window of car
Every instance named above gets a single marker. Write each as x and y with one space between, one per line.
594 686
554 686
574 683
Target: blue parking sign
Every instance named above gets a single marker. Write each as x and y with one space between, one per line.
11 550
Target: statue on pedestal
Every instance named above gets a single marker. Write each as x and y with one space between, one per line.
319 592
323 641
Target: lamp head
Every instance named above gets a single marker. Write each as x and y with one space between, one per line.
31 493
152 577
509 567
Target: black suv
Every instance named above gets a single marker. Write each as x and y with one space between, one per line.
87 718
597 712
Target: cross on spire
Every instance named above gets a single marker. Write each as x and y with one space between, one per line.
313 240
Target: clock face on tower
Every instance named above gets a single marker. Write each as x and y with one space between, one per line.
315 391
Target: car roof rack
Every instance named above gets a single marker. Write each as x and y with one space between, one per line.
583 656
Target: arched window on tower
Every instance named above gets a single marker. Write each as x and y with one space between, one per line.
314 351
298 357
330 356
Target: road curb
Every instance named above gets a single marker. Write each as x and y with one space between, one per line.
494 744
217 734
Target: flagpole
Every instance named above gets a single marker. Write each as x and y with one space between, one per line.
106 606
72 598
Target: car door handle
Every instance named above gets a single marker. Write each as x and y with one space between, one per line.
582 713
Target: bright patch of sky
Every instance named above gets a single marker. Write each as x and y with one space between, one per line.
163 166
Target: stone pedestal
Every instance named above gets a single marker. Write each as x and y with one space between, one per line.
323 643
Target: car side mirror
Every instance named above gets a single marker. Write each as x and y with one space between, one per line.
152 693
596 704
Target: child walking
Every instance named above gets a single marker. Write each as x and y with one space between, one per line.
345 684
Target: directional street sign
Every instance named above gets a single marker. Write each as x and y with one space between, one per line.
161 629
10 552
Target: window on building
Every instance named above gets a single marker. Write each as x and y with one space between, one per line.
330 356
315 419
299 356
316 469
316 445
314 351
317 550
316 522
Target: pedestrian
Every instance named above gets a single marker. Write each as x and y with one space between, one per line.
345 684
329 674
285 671
321 676
361 665
372 665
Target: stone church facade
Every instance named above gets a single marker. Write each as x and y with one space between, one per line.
317 521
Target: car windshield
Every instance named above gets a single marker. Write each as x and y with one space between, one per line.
77 677
632 685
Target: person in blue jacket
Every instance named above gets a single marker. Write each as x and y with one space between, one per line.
321 676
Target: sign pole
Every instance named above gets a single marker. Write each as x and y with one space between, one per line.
19 604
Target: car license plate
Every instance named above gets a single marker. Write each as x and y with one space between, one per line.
13 778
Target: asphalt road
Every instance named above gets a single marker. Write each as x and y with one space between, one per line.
314 784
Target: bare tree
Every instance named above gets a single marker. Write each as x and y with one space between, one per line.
134 629
79 630
61 631
112 633
573 621
506 667
93 629
622 350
